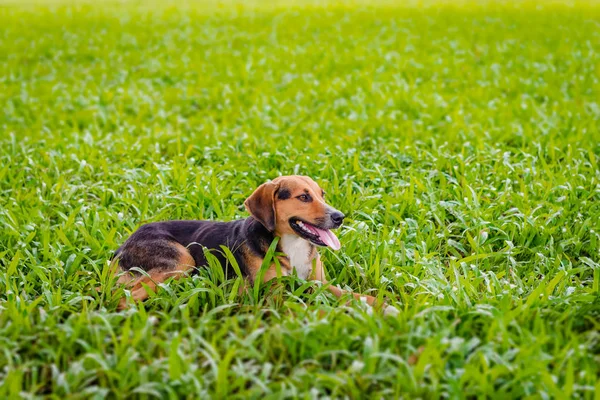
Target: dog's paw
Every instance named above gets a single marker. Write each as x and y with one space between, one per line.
369 300
390 311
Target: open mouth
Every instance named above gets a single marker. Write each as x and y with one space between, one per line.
314 234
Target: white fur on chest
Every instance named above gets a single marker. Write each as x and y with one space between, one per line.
299 252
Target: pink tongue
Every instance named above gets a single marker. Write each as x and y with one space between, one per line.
327 237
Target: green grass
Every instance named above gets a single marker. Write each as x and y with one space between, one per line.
461 141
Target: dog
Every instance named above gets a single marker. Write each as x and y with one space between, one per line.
291 208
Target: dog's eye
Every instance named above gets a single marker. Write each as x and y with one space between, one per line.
305 198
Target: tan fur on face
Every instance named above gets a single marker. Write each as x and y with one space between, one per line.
293 207
274 213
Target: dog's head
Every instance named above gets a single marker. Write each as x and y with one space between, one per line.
296 205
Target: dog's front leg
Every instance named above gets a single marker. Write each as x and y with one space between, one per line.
319 275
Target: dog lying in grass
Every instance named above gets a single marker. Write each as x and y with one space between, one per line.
291 208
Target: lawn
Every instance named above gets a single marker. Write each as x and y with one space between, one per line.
462 141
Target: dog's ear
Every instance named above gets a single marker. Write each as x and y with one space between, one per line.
261 204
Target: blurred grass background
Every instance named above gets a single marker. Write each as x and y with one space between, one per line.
461 139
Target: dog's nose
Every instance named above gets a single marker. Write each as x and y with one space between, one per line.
337 217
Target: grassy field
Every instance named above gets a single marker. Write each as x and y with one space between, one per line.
461 141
